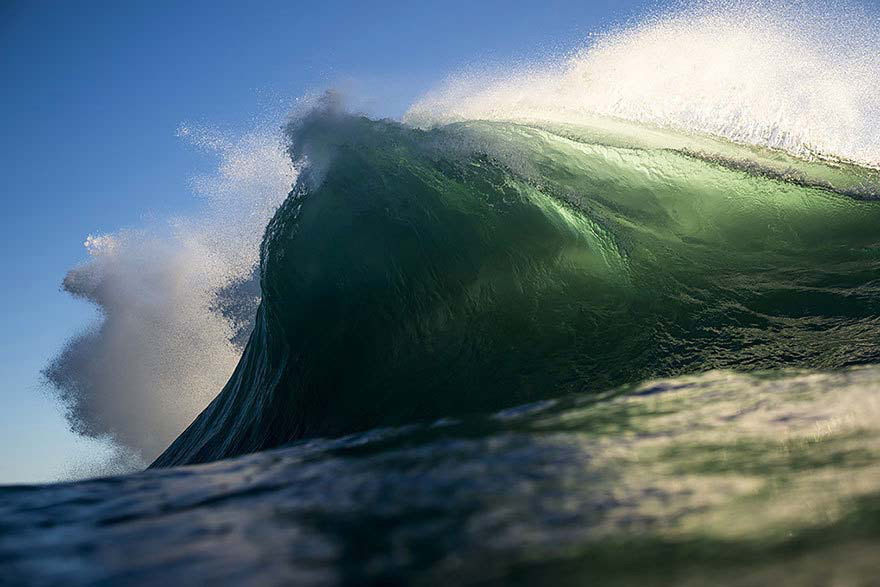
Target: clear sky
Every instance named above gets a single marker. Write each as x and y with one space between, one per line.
93 92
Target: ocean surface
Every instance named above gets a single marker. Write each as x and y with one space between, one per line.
719 478
614 320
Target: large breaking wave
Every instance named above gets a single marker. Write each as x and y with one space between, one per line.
483 265
695 191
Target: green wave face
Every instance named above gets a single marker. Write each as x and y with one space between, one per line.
414 275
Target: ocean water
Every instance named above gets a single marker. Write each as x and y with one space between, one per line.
414 275
719 478
613 320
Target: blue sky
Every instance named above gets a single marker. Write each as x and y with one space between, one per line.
93 93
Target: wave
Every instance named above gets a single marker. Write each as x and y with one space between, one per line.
413 275
693 191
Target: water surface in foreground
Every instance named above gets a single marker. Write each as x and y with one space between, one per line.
716 478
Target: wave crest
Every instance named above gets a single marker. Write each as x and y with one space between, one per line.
796 76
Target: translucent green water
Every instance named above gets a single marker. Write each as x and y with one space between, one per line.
416 275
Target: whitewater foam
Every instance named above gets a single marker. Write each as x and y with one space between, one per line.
800 77
175 301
